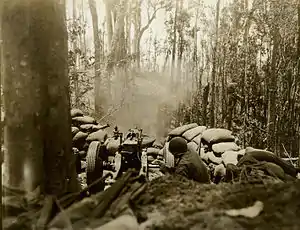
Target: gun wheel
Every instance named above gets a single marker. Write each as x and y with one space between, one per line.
94 166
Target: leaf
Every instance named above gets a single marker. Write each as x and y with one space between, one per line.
249 212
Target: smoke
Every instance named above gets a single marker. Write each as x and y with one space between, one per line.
142 103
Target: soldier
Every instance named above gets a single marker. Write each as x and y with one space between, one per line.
187 162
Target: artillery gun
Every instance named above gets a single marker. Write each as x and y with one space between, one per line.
117 155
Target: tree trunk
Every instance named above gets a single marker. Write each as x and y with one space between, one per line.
205 103
99 97
75 73
180 50
36 96
1 123
272 96
298 69
109 23
173 79
214 68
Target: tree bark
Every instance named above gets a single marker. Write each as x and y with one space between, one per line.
173 79
99 98
214 68
36 96
109 22
272 96
298 70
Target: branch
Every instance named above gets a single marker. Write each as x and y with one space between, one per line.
149 23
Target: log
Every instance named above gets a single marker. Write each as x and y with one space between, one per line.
192 133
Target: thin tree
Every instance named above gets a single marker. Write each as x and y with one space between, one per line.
99 100
214 69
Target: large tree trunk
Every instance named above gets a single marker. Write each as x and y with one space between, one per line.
36 96
214 69
1 124
298 69
99 98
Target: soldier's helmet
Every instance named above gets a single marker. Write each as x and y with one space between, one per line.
178 146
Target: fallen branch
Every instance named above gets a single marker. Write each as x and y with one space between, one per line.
111 194
69 199
46 213
287 154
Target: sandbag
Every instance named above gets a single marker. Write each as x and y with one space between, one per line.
193 146
158 144
87 127
230 157
147 141
99 135
191 133
112 145
83 120
150 159
217 135
80 136
98 127
197 139
225 146
220 170
74 130
76 113
263 155
211 156
79 140
161 152
152 151
180 130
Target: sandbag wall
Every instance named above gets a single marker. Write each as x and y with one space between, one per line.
85 129
217 146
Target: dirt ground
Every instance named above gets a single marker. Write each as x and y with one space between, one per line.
177 203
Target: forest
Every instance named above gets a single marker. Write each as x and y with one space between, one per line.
234 64
150 64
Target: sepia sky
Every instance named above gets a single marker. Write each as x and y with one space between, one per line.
156 29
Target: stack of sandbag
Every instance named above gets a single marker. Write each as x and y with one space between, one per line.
191 132
155 152
85 129
218 149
